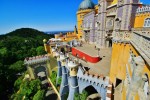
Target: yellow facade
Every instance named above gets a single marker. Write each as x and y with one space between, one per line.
112 2
73 71
80 17
68 37
96 9
140 19
119 61
120 56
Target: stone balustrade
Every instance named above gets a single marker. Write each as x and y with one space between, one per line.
142 43
139 38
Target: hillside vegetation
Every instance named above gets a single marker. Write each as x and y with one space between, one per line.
14 48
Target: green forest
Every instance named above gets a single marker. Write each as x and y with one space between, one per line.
14 48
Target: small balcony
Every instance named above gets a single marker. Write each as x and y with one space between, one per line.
109 28
86 28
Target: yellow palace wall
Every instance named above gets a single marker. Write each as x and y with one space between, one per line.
80 17
114 2
140 18
119 60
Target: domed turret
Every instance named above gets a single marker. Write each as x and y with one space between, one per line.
85 7
73 67
73 82
44 40
64 88
86 4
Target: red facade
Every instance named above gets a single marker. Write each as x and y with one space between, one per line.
84 56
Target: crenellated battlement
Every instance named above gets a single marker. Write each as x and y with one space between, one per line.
36 59
98 79
143 9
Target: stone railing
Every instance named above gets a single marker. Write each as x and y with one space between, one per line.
145 31
142 43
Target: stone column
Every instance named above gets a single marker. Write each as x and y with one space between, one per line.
141 89
136 79
73 82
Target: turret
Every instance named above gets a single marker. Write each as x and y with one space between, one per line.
85 7
75 30
45 45
73 82
64 89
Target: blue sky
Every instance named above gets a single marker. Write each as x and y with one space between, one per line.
44 15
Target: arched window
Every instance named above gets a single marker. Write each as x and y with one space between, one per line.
91 25
147 22
96 24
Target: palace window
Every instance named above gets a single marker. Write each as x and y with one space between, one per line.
96 24
91 25
87 24
147 22
110 22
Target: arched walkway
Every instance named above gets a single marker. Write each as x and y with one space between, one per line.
40 69
90 90
92 87
92 93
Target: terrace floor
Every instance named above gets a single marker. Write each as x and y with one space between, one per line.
88 49
101 67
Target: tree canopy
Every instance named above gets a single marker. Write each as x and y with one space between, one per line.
39 95
14 48
82 96
27 89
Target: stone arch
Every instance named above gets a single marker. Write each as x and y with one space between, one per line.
40 69
90 89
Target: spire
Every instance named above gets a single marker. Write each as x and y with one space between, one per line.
75 29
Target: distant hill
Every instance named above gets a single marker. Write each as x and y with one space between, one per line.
26 33
14 48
